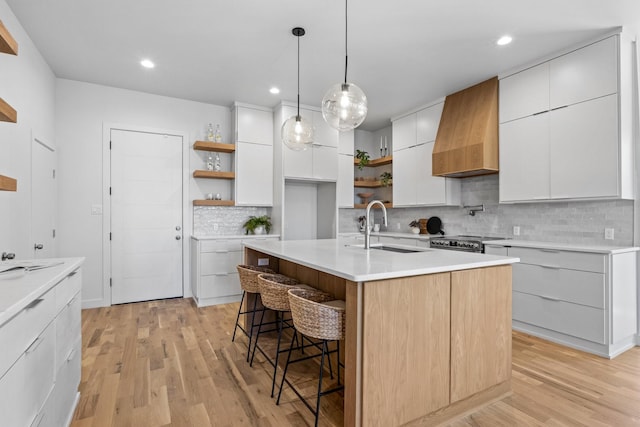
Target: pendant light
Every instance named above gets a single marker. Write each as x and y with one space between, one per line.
344 106
297 132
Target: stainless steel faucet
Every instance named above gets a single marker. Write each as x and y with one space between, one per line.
367 229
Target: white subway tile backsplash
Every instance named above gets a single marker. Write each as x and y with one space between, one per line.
223 220
568 222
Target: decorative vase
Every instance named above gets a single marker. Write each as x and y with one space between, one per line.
259 230
415 230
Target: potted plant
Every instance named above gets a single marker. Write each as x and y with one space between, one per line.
415 226
385 179
258 225
363 156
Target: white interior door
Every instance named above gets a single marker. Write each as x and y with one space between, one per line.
43 199
146 216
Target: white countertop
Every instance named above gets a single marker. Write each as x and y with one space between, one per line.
236 236
20 287
359 265
562 246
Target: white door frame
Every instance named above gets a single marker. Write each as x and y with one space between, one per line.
36 137
107 127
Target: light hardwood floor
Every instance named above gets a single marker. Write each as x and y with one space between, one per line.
168 363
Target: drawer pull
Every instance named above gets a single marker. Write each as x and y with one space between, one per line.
34 303
551 251
34 345
73 273
221 274
550 298
72 301
553 267
221 251
71 355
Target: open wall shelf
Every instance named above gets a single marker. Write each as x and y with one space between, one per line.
213 174
213 203
214 146
7 43
387 160
8 184
364 206
370 184
7 113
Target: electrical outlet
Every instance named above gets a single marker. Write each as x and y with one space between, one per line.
215 227
608 233
263 261
96 209
516 230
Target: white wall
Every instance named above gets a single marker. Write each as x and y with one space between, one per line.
81 109
28 85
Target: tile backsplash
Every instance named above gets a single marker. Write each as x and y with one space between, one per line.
579 222
223 220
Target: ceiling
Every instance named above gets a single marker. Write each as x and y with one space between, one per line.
402 53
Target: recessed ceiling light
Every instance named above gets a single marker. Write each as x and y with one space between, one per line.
274 90
146 63
504 40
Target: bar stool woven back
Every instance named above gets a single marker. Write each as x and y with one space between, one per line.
274 290
314 317
249 277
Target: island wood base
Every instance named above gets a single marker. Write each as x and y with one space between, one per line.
419 350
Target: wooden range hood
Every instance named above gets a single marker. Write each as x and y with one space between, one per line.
467 139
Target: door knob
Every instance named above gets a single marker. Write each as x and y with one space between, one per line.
178 237
178 228
38 246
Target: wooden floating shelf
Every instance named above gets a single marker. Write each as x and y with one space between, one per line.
8 184
214 203
363 206
214 146
375 162
7 113
7 43
213 174
370 184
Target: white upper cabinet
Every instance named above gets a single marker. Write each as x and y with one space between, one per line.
427 122
404 132
413 140
325 163
587 73
253 125
524 94
323 133
253 156
565 126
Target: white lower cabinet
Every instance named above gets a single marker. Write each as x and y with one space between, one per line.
586 300
214 276
39 387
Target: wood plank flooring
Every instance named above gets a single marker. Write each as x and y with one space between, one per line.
168 363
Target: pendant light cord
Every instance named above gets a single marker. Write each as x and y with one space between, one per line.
346 53
298 115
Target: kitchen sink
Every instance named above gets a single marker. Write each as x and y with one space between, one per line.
396 249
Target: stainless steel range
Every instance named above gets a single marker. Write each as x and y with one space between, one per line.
459 243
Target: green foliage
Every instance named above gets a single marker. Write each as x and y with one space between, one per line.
256 221
385 179
363 156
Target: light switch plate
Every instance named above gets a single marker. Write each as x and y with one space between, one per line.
96 209
516 230
608 233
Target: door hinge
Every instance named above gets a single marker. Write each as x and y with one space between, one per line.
109 190
109 145
109 235
54 174
54 233
110 282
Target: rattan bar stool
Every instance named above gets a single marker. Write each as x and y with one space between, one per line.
249 284
274 295
320 317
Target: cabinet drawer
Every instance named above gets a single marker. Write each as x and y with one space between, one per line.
219 262
219 285
23 329
572 319
68 324
220 245
581 287
561 259
67 289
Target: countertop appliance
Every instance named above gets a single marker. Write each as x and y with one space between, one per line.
460 243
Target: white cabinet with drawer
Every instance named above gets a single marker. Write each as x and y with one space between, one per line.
37 385
581 297
214 277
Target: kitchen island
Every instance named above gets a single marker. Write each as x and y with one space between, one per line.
428 334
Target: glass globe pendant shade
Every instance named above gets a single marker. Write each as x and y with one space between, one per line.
344 106
297 133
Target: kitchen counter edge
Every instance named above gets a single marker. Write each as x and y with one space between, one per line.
561 246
